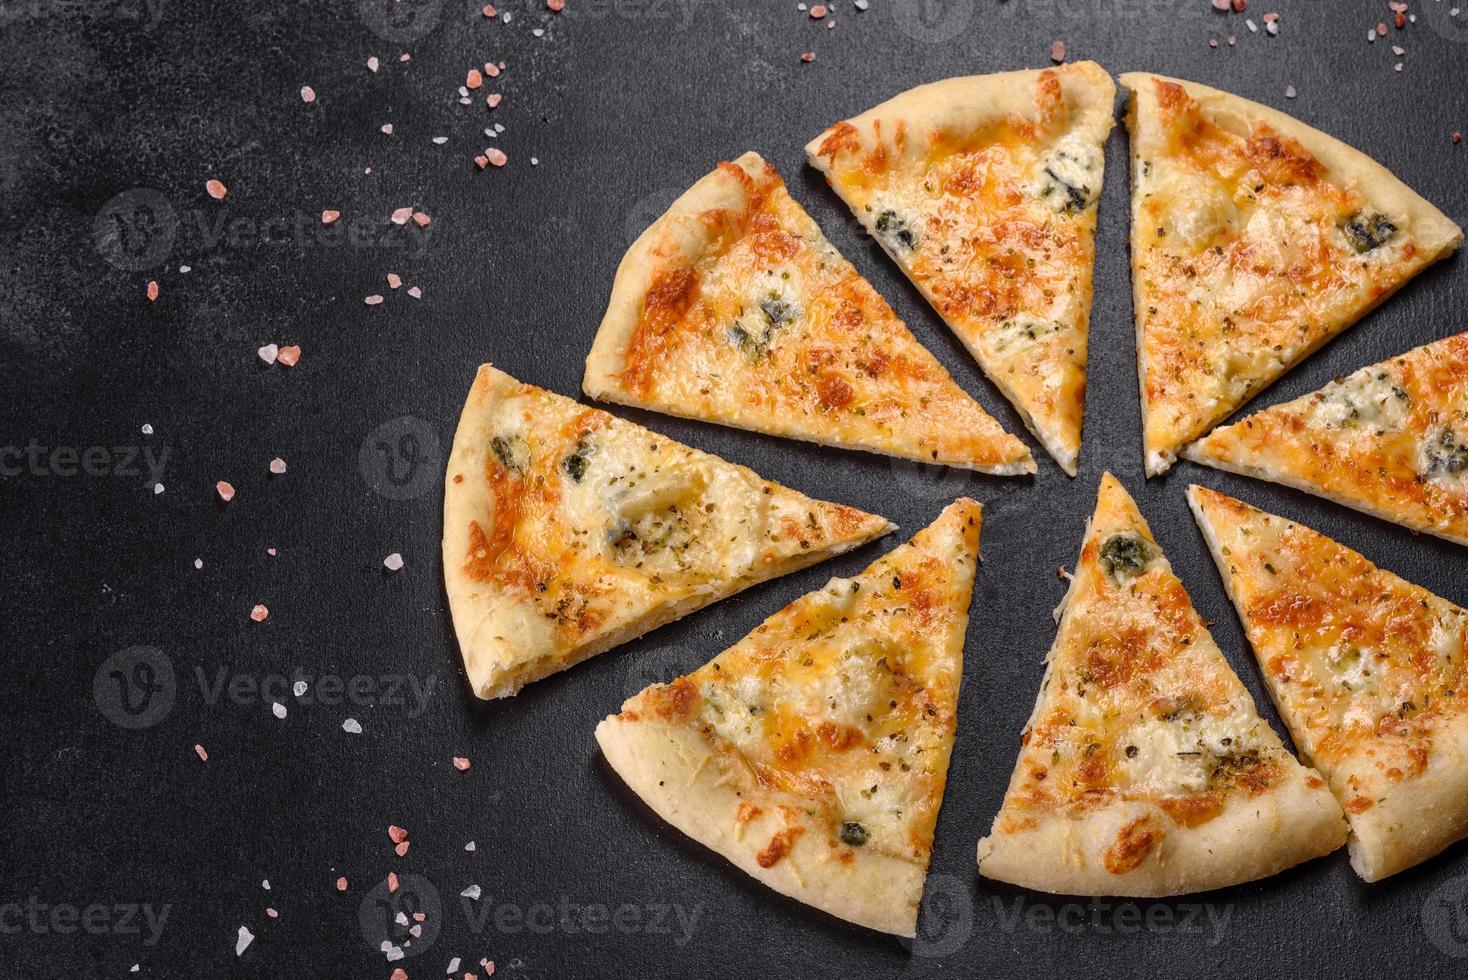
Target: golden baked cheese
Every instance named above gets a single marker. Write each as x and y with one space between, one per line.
1390 439
568 531
1367 671
1255 239
813 753
734 308
983 190
1145 768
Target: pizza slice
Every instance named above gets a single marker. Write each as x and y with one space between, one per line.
813 753
1255 239
1145 768
734 308
1366 670
1390 439
983 190
568 531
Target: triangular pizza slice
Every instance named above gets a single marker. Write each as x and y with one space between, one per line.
813 753
983 190
1255 239
734 308
1390 439
1367 671
568 531
1145 768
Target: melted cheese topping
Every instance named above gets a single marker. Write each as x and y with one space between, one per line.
1246 256
593 520
996 228
1138 704
846 700
1365 666
771 325
1391 438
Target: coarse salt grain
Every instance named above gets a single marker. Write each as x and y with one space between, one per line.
243 941
372 63
400 216
353 726
473 891
216 189
373 300
289 356
260 613
277 466
474 79
157 488
1290 92
494 99
341 883
278 710
299 688
808 57
225 491
268 353
308 94
415 292
198 562
147 429
153 291
328 216
461 763
421 219
387 129
199 751
818 11
394 280
1057 51
393 562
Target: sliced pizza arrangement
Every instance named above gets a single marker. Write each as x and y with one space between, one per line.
1367 671
813 753
734 308
1145 768
1255 239
983 190
1390 439
568 531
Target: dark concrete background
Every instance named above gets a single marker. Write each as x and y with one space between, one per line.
624 102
